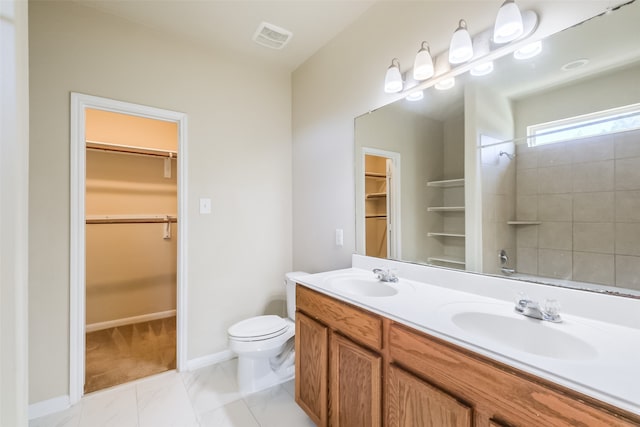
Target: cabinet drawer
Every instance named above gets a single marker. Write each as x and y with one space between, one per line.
359 325
496 389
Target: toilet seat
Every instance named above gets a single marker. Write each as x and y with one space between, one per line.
258 328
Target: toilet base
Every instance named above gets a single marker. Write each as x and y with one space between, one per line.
255 374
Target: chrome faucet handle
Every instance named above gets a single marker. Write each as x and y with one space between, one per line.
551 311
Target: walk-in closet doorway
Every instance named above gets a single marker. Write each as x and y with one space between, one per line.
128 190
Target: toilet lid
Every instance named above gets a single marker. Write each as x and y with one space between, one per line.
261 327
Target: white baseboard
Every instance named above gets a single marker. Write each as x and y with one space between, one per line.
129 320
210 359
46 407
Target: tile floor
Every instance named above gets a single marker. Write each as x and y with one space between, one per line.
207 397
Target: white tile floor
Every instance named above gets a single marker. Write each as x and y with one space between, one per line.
207 397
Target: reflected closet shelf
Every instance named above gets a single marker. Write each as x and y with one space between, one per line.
376 195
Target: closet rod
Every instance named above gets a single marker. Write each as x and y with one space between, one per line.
130 219
130 149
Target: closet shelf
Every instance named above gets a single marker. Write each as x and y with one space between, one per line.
375 175
446 259
447 183
376 216
445 209
376 195
130 219
430 234
130 149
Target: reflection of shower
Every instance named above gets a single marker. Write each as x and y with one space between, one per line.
509 155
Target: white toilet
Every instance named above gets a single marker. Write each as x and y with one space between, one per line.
265 345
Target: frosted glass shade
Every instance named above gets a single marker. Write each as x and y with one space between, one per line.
508 25
461 47
393 79
423 65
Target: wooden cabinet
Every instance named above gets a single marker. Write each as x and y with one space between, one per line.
355 384
412 402
339 378
499 394
355 368
312 347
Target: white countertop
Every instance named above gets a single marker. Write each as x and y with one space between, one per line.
609 371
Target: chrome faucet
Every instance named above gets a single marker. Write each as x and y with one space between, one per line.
388 275
532 309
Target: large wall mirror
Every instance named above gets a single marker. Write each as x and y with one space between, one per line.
531 172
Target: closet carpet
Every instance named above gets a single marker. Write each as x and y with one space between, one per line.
126 353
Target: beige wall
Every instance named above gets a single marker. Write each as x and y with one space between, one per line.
239 155
14 185
344 80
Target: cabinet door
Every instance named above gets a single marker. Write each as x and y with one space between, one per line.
355 380
412 402
312 368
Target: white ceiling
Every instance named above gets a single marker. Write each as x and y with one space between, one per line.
230 25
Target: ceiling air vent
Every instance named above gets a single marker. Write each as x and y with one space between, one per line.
271 36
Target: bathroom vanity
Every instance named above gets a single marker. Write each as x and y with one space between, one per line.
362 360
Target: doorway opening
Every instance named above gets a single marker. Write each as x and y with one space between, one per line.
381 203
127 243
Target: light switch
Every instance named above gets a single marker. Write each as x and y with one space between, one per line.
339 237
205 206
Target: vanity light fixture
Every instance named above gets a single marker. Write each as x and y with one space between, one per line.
415 96
446 83
508 25
423 64
393 79
528 51
461 47
482 69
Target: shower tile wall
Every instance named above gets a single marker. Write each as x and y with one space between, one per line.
586 193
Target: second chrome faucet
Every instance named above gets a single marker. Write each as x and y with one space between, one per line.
530 308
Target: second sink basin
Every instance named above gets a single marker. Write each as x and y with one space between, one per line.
526 335
363 287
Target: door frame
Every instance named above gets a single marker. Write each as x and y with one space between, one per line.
394 237
77 298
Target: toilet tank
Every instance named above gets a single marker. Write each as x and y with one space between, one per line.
290 285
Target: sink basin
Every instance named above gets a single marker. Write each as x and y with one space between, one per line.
363 287
524 334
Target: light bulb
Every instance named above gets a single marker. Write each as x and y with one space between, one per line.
482 69
461 47
528 51
446 84
423 65
415 96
